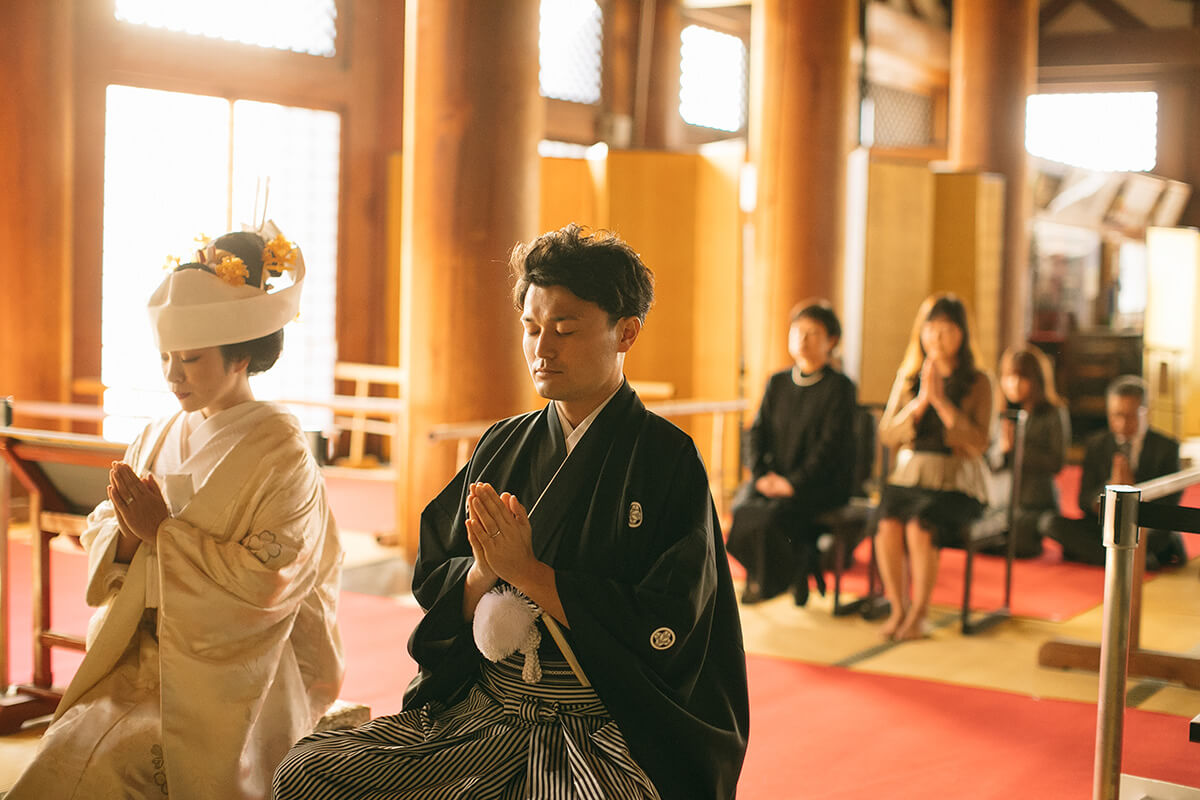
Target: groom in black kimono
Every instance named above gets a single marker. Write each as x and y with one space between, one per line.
599 512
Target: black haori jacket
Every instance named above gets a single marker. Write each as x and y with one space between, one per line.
629 526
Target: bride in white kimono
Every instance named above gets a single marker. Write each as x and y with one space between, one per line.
214 565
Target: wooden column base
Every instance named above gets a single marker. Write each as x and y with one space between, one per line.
1171 667
23 703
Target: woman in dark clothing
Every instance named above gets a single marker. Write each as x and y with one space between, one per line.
1027 382
801 458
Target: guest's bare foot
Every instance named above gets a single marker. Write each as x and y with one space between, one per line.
894 621
915 626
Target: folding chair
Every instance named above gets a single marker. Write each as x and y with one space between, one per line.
993 530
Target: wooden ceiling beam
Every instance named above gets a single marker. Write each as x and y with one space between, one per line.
1051 10
1167 48
1117 14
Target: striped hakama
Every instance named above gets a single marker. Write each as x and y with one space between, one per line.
506 739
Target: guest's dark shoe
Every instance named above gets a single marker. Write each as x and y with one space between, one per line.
800 592
751 595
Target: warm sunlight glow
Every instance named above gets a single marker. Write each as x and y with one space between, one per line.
304 26
1107 131
712 86
167 178
569 43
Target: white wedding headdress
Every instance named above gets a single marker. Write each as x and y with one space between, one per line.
205 307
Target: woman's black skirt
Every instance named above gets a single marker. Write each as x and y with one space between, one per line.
944 514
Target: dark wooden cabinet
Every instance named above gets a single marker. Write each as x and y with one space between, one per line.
1087 363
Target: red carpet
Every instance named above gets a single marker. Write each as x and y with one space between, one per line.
1043 588
374 631
817 732
825 733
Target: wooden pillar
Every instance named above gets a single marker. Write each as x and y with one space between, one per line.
1178 144
618 85
472 120
35 206
368 327
659 123
993 69
802 102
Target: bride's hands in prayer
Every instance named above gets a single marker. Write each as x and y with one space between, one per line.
139 506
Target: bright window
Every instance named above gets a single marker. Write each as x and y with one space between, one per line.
712 90
303 26
178 165
1106 131
569 43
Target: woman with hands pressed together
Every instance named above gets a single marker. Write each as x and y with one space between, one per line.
936 422
139 507
214 563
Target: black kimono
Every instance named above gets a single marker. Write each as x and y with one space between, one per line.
629 526
806 434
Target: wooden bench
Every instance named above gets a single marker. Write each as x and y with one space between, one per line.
365 420
66 476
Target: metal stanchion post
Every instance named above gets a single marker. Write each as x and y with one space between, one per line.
1120 541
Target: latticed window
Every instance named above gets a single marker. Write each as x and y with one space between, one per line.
165 182
570 40
713 75
902 119
303 26
1107 131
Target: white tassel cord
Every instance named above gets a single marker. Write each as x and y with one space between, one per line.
505 622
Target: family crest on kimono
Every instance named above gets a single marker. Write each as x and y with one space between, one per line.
214 564
800 452
581 636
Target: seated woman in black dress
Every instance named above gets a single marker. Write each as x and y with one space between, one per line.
801 459
937 422
1027 382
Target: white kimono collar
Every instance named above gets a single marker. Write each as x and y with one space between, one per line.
572 436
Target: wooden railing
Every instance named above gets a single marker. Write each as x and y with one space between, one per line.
364 376
465 434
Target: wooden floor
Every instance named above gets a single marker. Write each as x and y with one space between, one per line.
1004 658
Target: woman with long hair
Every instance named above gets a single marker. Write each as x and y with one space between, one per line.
1026 381
936 422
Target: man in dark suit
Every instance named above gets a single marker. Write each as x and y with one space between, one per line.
1127 453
